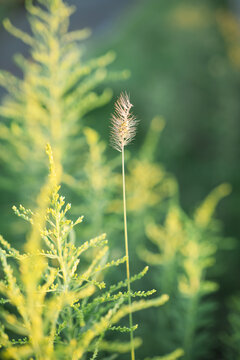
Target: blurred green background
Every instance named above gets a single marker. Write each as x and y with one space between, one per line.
184 59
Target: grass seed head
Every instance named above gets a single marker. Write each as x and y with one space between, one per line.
123 123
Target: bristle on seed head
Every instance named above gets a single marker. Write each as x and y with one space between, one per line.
123 123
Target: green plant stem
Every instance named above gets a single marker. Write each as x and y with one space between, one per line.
62 264
127 258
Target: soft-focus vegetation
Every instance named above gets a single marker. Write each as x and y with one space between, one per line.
62 294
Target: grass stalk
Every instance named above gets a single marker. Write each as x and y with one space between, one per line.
123 130
127 257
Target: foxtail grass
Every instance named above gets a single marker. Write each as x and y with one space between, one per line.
123 130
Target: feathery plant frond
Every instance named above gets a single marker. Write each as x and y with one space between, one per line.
58 312
122 132
186 249
59 87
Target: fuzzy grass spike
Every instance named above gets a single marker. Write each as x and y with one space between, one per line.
123 130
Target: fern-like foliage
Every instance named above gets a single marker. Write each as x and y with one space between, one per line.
49 299
186 249
59 87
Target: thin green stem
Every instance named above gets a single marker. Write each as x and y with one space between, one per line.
127 258
65 273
